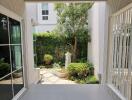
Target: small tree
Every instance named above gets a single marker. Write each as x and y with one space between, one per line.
73 22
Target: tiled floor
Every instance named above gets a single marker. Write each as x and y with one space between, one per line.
54 88
69 92
49 78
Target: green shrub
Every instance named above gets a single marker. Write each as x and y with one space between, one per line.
4 68
88 80
78 70
82 60
91 68
91 80
48 59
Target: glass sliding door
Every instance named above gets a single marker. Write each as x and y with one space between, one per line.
5 65
16 55
11 64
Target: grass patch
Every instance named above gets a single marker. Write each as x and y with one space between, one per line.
87 80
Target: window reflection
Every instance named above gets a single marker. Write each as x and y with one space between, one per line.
15 31
4 39
6 88
16 57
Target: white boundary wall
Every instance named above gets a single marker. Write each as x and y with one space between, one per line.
97 47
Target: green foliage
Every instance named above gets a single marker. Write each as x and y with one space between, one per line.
4 67
50 43
56 45
78 70
82 73
91 80
91 68
48 59
82 60
73 18
73 23
87 80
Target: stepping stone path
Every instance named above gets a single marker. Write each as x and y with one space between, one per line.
48 78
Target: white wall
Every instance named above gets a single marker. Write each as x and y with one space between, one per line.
52 17
44 28
98 35
36 15
32 7
46 25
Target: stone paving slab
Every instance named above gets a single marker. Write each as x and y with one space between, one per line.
48 78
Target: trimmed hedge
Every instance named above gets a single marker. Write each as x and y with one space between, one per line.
50 43
57 45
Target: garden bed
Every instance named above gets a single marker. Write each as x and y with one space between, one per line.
81 73
87 80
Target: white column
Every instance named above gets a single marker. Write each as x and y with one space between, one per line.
32 74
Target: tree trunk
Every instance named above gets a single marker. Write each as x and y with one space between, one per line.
74 48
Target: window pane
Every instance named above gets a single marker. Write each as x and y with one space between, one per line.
6 89
4 39
45 12
45 17
4 61
16 57
44 6
15 31
18 83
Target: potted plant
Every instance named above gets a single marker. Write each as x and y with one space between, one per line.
48 59
61 72
17 74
